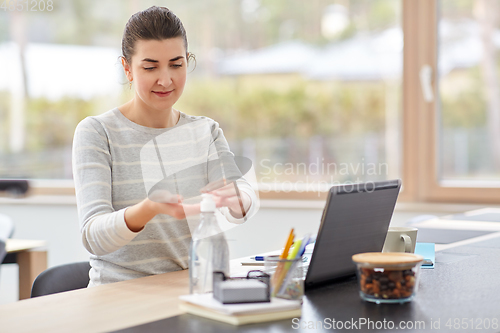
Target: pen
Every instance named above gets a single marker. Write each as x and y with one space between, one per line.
262 258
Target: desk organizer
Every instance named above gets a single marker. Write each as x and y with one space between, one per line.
250 289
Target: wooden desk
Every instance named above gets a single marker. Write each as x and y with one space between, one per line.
32 260
103 308
99 309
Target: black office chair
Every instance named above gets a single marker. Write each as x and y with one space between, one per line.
61 278
3 251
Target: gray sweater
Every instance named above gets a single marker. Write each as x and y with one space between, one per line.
116 162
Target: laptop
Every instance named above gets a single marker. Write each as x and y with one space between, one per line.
355 220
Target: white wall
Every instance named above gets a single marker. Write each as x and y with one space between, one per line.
56 224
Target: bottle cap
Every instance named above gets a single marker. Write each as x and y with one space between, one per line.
207 203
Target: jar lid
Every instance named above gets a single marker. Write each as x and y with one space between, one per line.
387 258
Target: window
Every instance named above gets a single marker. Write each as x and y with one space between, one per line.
469 91
309 90
314 92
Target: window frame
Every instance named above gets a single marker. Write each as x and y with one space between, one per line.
420 154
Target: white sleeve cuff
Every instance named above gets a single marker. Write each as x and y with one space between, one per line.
254 206
122 229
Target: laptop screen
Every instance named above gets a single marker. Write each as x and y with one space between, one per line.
355 220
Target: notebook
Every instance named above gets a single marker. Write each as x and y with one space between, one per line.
426 250
205 305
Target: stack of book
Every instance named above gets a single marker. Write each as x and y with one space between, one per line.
205 305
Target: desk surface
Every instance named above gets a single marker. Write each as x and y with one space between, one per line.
19 245
103 308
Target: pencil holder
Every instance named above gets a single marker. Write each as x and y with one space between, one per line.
287 277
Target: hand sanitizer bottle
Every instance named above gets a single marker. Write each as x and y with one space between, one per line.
209 251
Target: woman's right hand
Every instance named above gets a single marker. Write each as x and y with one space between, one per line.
138 215
178 210
173 209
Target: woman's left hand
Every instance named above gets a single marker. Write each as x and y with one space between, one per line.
227 196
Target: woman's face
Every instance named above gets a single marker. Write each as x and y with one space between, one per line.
158 71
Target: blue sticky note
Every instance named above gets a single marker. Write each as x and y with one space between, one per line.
426 250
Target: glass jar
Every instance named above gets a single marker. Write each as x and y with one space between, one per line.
387 277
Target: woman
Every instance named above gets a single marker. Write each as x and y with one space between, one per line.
116 157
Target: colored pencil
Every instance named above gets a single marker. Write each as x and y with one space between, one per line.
283 255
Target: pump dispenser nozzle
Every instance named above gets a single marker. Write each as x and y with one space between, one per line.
207 203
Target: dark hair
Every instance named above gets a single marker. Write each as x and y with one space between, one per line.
154 23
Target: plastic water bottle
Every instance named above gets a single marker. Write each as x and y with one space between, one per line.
209 251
